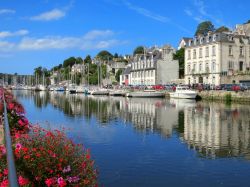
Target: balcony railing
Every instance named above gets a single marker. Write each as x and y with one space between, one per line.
12 177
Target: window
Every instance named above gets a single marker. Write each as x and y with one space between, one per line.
241 66
230 50
230 65
189 54
189 68
200 67
200 53
241 51
194 67
194 54
213 67
214 37
213 51
207 52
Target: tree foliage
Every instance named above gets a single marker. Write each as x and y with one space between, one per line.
204 27
117 75
104 55
222 29
180 56
87 59
138 50
71 61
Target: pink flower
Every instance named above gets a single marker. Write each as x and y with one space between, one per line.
23 181
61 182
18 146
5 171
3 150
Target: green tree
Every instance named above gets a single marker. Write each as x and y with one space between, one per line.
79 60
104 55
204 27
87 59
117 75
180 56
139 50
38 71
69 62
222 29
116 55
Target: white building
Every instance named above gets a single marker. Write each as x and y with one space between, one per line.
78 68
156 66
125 77
211 59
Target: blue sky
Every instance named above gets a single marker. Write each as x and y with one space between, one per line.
45 32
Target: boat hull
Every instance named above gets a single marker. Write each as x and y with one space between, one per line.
145 94
183 95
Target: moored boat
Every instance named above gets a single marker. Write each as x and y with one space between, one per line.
146 93
183 92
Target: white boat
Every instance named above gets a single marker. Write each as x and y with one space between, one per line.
118 92
183 92
59 89
40 87
99 92
146 93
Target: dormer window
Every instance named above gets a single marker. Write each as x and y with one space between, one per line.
214 37
201 40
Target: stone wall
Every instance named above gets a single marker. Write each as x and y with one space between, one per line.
221 95
235 78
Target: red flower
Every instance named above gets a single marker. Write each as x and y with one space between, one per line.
23 181
11 106
5 183
49 182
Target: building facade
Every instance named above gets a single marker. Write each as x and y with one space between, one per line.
155 66
211 58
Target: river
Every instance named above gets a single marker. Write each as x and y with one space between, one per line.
151 142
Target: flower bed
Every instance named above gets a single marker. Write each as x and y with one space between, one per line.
43 157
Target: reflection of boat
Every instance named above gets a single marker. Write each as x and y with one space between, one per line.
182 103
146 93
183 92
118 92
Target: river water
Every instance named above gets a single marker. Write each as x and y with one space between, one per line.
151 142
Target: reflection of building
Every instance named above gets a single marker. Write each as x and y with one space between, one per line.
216 131
149 114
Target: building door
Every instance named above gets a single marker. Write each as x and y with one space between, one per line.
201 80
241 66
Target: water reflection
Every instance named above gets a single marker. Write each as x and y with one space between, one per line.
212 129
218 130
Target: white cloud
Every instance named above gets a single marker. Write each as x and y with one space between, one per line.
6 46
188 12
7 11
146 12
54 14
5 34
98 33
202 13
55 42
96 39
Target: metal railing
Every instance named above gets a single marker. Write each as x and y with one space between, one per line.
12 176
